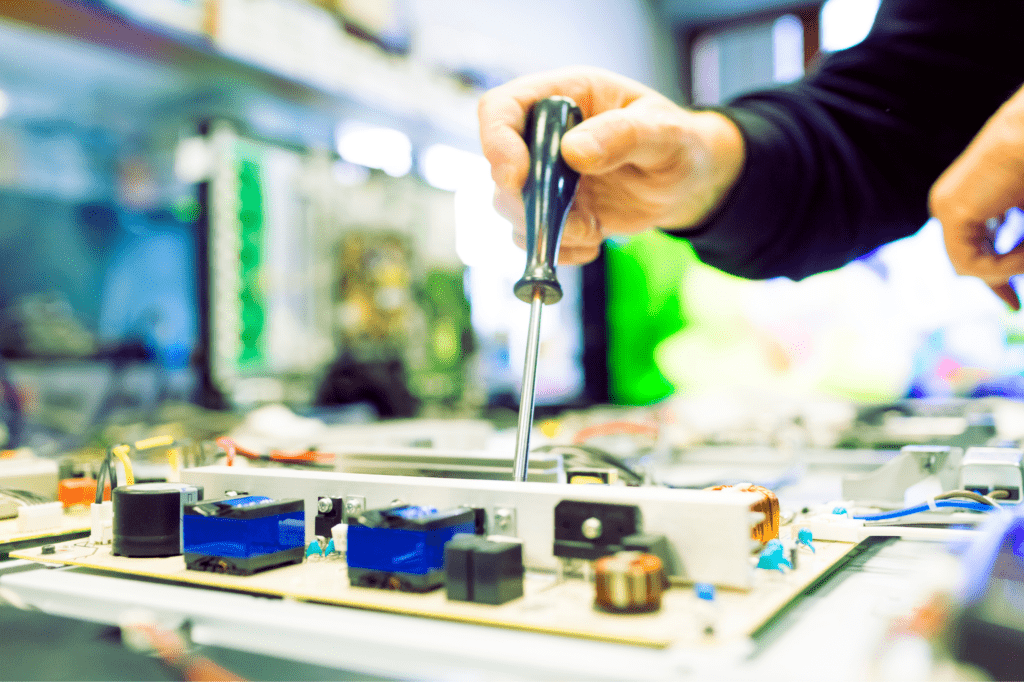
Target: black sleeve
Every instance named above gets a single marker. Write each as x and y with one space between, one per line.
841 162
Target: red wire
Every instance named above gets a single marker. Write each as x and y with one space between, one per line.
315 456
613 428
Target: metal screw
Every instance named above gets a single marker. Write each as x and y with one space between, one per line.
355 505
592 528
324 505
504 521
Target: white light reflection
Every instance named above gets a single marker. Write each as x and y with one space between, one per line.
375 147
844 23
449 168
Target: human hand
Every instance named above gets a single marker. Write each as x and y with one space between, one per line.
984 182
644 161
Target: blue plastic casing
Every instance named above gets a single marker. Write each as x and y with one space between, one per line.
243 527
413 543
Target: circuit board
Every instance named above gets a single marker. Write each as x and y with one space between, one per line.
74 525
549 605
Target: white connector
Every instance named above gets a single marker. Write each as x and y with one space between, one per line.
102 514
33 517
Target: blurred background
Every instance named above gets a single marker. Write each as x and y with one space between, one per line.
229 203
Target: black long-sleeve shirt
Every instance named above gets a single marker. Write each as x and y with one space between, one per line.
842 161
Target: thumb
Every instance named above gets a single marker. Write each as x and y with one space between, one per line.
611 139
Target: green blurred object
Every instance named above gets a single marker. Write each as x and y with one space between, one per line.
441 373
644 308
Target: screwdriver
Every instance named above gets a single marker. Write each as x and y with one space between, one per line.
547 196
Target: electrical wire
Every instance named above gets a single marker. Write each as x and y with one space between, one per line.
595 457
26 497
109 472
917 509
967 494
312 457
121 452
614 428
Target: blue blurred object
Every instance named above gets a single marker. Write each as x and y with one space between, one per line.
773 557
403 547
987 628
242 535
314 549
806 538
704 591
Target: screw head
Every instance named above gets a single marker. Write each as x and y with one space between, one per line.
592 528
324 505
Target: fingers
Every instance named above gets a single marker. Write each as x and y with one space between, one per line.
984 182
638 134
1006 292
502 112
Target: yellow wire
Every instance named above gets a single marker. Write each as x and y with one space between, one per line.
121 452
172 459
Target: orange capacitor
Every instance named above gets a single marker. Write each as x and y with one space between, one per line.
72 491
629 582
768 505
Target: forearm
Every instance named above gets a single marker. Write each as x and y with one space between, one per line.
842 162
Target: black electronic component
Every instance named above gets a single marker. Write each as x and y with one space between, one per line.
482 570
657 545
330 511
147 518
590 530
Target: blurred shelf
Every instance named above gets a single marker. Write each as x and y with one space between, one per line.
384 87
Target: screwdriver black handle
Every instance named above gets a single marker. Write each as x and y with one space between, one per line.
547 195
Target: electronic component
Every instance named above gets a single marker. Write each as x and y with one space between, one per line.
629 582
692 520
707 607
147 518
590 530
993 471
243 535
72 491
483 570
768 505
915 463
773 557
402 547
101 516
33 517
330 511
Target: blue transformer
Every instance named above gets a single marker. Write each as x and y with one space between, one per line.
243 535
403 547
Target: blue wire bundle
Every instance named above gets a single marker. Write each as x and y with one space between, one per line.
941 504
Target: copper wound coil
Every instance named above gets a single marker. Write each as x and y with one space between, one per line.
768 505
629 582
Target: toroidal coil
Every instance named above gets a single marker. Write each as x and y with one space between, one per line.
629 582
147 518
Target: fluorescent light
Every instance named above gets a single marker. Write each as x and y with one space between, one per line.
449 168
375 147
5 104
844 23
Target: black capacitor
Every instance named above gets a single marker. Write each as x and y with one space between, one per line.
147 518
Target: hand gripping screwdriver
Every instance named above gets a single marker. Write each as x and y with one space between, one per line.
547 196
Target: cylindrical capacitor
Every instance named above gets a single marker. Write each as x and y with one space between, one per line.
629 582
147 518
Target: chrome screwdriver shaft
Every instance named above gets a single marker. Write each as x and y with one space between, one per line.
547 196
526 402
